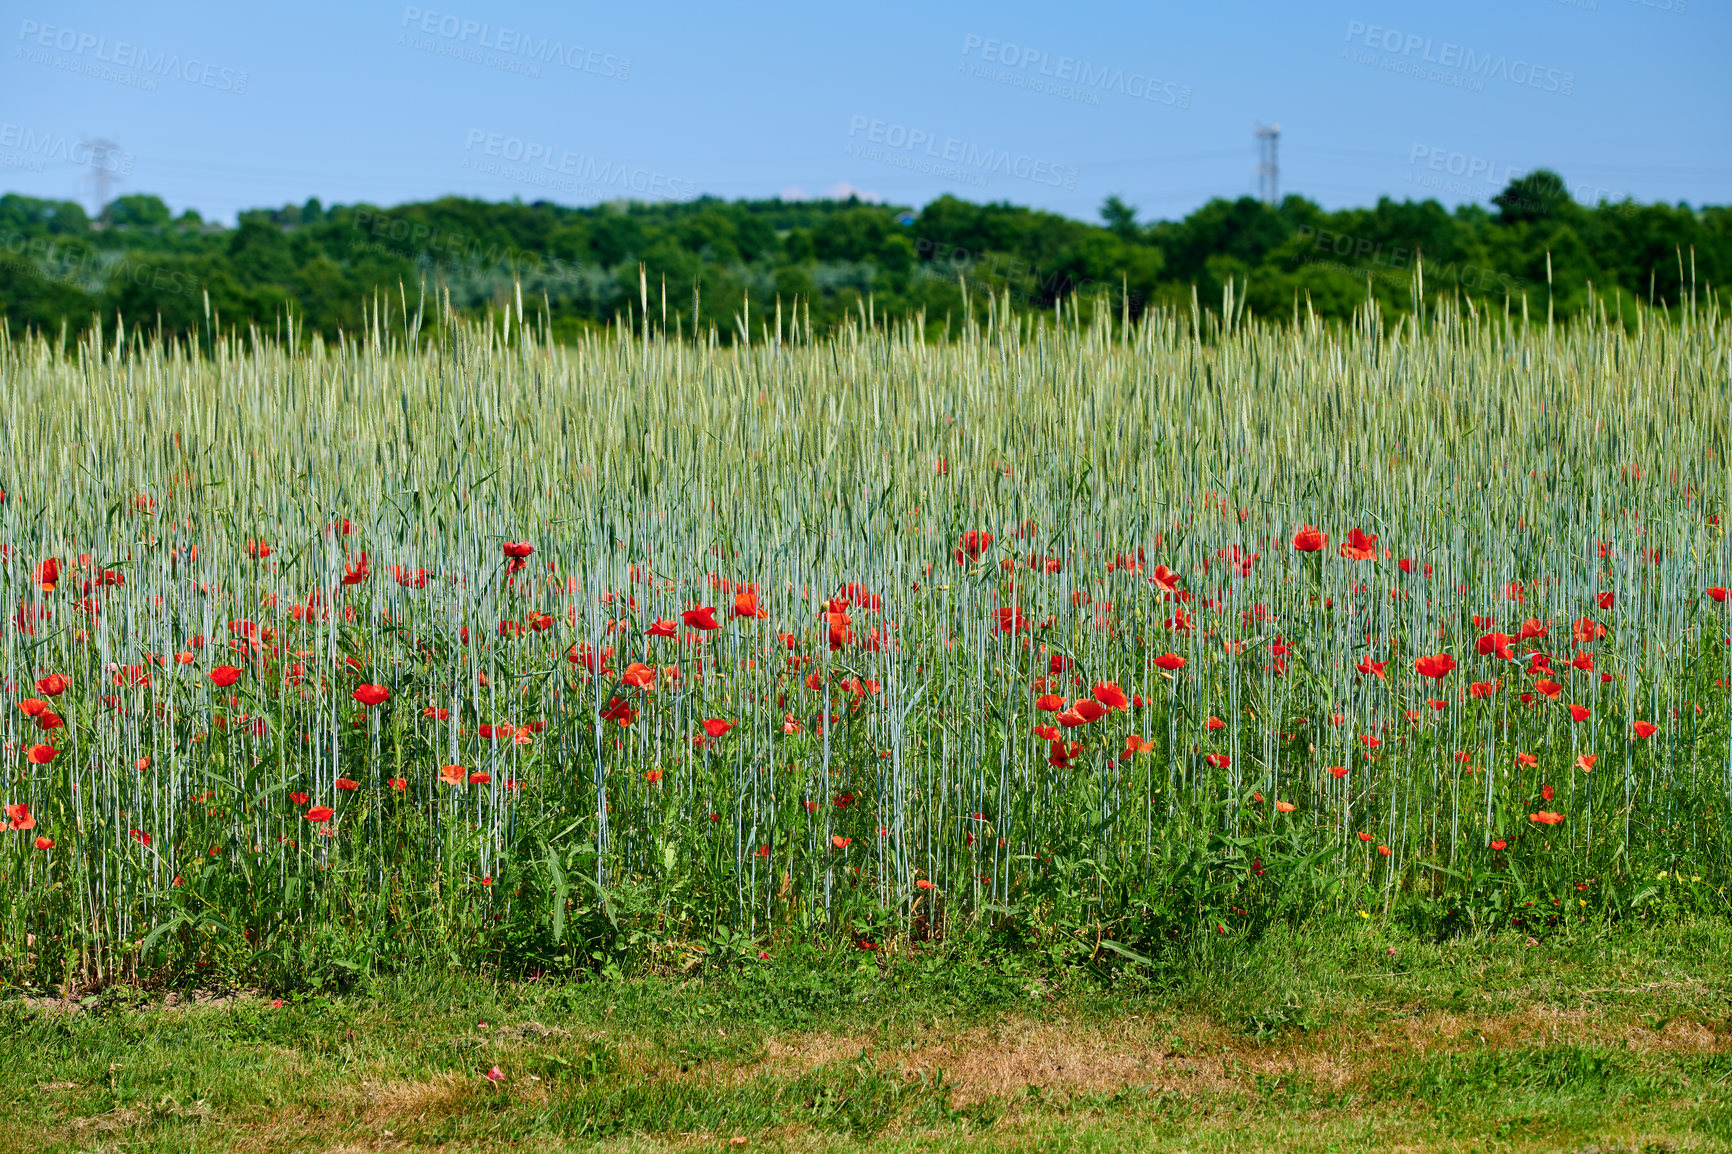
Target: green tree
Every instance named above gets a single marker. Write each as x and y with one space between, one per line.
1540 195
1120 218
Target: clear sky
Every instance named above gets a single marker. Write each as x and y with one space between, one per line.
224 106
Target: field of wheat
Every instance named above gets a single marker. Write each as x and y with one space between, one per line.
448 644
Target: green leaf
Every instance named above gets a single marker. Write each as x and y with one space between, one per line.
1108 944
150 938
560 889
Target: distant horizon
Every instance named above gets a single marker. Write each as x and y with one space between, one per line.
221 109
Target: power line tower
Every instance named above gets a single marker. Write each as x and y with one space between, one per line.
1268 163
103 159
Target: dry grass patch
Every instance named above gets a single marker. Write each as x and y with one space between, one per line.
1196 1055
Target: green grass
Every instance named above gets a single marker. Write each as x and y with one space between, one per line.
1318 1040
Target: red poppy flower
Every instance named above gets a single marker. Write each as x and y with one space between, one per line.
1049 702
1045 732
44 843
347 784
518 550
1221 761
662 627
1309 540
974 543
47 574
1528 759
1370 668
1586 762
1359 546
1546 792
1170 662
1214 723
639 676
1544 818
839 841
356 572
1011 620
716 727
1437 666
1645 728
746 604
1580 712
1338 771
1384 850
1494 643
224 676
1135 744
320 814
620 710
480 777
1110 695
53 685
1364 837
1285 807
701 617
1070 718
42 754
1548 687
452 774
397 783
1716 593
18 816
371 694
1481 690
33 706
1532 627
139 836
1089 709
1499 845
1370 741
1165 579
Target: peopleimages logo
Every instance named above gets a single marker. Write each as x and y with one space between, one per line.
1072 77
514 47
543 165
89 47
1449 62
55 147
1454 173
953 151
90 270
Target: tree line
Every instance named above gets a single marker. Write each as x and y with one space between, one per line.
708 262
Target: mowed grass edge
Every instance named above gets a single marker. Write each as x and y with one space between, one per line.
1316 1039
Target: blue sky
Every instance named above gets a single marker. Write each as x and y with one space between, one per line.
226 106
